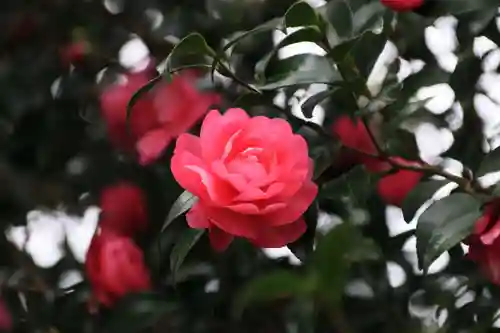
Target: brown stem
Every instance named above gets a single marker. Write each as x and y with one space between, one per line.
467 185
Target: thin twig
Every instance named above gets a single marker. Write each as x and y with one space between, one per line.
467 185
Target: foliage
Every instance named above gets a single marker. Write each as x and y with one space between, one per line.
59 154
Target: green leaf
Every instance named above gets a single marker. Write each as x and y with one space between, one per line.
444 224
356 184
367 17
192 44
490 163
469 69
454 7
300 14
273 24
137 312
419 195
183 203
187 240
339 15
272 286
335 252
309 34
137 95
310 103
323 152
303 69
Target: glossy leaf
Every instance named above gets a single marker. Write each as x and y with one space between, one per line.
490 163
186 241
310 103
444 224
418 196
275 285
183 203
303 70
300 14
306 34
340 18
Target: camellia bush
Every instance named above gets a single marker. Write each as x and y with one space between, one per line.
222 199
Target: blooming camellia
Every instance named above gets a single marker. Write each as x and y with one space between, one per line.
115 266
484 243
159 116
252 177
402 5
123 209
392 188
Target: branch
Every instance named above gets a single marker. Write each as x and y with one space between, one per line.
467 185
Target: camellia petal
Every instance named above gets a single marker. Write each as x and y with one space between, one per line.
276 237
253 178
219 239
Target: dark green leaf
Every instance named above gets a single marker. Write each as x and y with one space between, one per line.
334 254
472 24
309 105
192 44
265 27
137 312
419 195
187 240
454 7
490 163
468 70
444 224
367 17
302 70
183 203
356 184
137 95
301 14
339 15
272 286
306 34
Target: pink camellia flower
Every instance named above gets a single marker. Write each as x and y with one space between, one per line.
484 243
160 115
252 177
402 5
115 267
123 209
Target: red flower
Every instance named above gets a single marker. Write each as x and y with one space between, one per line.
354 135
252 177
484 243
123 209
5 317
402 5
394 187
159 116
74 52
115 267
